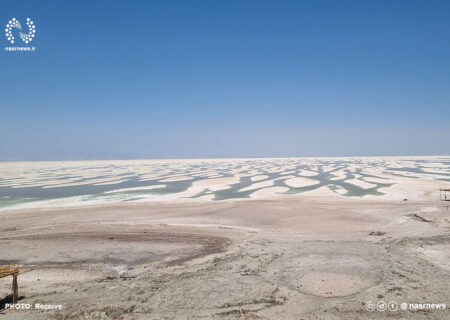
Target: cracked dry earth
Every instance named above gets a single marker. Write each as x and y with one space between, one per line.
266 275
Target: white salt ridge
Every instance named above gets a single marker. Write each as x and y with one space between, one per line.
301 182
78 173
308 173
176 178
360 183
157 186
259 177
339 190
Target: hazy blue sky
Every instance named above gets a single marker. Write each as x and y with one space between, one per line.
145 79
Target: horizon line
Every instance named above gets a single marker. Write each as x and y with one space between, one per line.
228 158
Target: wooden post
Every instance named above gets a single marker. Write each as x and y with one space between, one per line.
15 288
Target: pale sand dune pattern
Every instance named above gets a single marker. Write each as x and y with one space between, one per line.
339 190
287 173
307 173
81 182
176 178
339 175
259 177
361 183
214 184
379 180
435 171
301 182
158 186
86 182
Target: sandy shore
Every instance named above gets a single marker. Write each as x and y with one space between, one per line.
308 258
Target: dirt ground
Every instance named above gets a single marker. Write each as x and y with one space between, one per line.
274 259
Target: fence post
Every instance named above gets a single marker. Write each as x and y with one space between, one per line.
15 288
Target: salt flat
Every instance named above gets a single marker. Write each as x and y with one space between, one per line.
46 184
312 238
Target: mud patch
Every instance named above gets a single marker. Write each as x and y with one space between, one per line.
328 284
111 247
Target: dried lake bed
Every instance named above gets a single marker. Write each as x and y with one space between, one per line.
47 184
310 238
